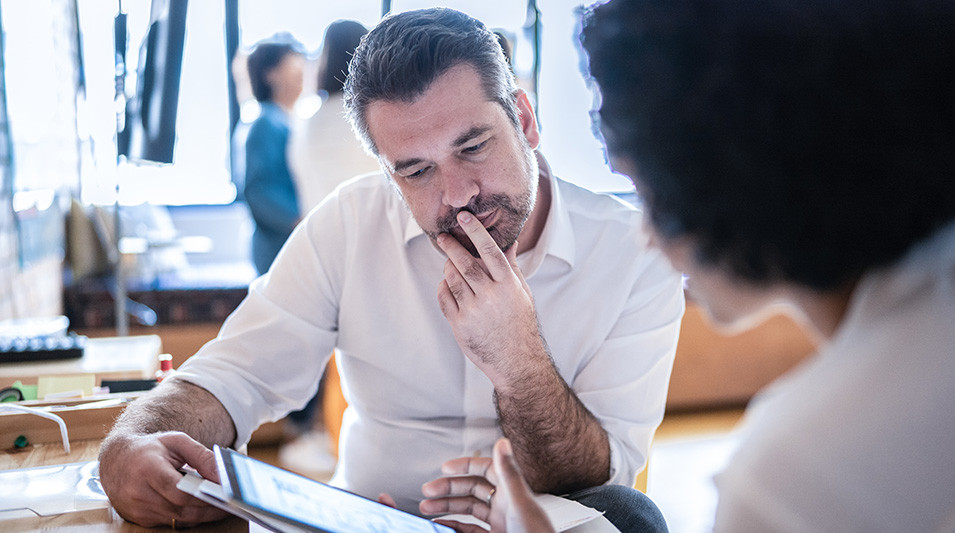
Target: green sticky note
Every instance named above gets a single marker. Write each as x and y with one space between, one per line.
28 391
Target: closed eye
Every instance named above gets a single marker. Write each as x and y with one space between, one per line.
417 173
475 148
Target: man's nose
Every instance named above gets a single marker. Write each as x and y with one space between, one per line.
459 189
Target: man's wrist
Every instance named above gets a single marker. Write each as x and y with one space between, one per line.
527 373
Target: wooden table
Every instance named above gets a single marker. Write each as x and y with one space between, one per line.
89 521
117 358
88 421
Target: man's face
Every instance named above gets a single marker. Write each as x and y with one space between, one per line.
452 149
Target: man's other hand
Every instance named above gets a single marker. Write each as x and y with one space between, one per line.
493 491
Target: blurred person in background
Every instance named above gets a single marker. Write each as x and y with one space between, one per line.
323 151
275 68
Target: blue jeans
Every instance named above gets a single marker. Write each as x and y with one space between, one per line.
629 510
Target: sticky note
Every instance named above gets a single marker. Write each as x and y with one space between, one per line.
47 385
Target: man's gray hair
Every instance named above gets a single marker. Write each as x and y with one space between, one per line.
406 52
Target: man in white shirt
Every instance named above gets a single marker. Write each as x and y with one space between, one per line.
547 334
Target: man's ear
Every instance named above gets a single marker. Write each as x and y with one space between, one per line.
527 119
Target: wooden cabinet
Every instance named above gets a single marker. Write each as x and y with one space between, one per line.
716 370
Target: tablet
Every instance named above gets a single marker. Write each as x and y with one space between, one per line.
307 504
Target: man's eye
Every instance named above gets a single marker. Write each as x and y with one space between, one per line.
475 148
417 173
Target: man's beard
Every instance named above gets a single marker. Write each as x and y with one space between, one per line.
513 212
511 216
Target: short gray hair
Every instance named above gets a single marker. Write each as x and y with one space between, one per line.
406 52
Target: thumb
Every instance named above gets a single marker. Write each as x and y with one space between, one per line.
186 450
508 472
515 509
511 255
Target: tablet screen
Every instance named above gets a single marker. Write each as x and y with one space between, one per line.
308 503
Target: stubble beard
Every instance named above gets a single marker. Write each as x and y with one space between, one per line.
513 212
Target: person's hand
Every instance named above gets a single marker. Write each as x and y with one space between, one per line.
467 488
514 508
493 491
139 475
488 303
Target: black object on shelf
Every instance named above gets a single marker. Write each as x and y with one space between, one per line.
128 385
45 348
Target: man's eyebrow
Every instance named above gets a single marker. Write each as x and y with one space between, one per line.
404 164
465 137
462 139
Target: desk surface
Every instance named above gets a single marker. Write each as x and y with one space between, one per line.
133 357
94 520
110 358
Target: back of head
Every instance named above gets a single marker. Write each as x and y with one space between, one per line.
401 56
265 56
338 47
792 141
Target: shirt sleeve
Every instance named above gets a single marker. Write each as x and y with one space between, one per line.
625 383
271 352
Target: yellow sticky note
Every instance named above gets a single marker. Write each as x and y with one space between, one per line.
60 384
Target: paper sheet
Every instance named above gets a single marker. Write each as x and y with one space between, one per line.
51 490
564 514
213 494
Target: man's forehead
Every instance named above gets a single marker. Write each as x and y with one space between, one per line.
453 110
457 87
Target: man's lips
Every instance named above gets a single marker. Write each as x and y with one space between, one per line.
488 219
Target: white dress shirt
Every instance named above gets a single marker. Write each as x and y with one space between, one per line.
359 275
861 438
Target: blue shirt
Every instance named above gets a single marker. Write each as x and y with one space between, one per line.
269 188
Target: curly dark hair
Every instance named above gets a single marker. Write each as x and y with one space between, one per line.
401 56
791 141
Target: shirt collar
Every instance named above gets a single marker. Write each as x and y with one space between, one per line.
926 264
556 239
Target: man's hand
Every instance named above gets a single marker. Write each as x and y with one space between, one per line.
493 491
139 475
489 305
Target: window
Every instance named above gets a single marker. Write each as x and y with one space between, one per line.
200 173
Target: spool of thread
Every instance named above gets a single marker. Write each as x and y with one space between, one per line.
165 367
